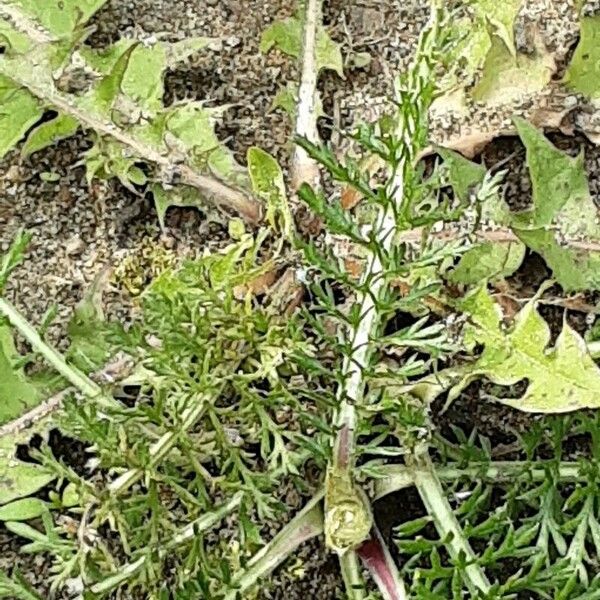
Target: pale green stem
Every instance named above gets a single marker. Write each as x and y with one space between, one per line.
353 581
78 379
437 505
308 523
398 477
189 532
304 168
160 448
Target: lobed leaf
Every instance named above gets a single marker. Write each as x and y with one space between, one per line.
560 379
61 17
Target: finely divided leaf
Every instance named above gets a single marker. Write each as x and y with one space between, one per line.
560 379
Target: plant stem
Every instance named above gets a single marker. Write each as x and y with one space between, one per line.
353 581
304 168
377 559
160 448
399 477
189 532
308 523
437 505
78 379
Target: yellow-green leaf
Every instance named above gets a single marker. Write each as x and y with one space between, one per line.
269 185
50 132
506 77
61 17
19 111
583 74
561 378
23 509
287 36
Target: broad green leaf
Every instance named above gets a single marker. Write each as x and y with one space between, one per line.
23 510
143 78
50 132
89 349
574 268
287 36
14 40
269 185
17 393
193 128
102 98
19 111
583 74
61 17
560 379
19 479
506 78
488 261
559 182
463 174
564 216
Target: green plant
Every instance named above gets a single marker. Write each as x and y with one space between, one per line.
237 395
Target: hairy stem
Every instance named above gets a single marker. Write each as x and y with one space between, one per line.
308 523
304 168
399 477
353 581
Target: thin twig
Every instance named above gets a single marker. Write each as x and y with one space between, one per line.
304 168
